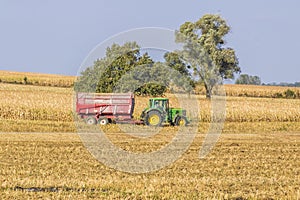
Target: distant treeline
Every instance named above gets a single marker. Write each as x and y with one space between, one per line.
246 79
296 84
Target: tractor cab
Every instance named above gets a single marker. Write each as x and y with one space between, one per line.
161 104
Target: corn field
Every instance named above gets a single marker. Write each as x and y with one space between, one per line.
36 79
24 102
260 91
21 102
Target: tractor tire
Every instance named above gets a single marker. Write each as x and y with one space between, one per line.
181 121
103 121
153 118
91 121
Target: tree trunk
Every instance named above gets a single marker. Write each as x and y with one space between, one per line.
208 91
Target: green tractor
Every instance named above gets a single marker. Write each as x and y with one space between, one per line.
159 112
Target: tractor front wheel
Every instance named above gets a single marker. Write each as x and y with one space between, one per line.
181 121
153 118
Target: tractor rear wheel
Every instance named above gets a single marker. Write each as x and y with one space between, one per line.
153 118
181 121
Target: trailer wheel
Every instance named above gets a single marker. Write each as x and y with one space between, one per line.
181 121
91 121
103 121
153 118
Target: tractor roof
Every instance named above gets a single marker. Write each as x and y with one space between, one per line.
159 98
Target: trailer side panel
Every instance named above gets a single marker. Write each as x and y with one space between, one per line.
110 105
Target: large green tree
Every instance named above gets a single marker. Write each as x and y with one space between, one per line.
182 79
122 59
125 69
205 50
104 75
173 60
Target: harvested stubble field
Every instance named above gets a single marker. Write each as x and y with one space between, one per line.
256 157
242 166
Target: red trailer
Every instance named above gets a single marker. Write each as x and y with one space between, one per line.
105 107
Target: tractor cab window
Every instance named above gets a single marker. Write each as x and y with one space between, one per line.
157 104
161 104
166 105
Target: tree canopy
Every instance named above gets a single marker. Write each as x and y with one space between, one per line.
104 75
124 69
204 49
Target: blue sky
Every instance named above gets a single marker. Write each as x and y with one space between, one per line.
53 36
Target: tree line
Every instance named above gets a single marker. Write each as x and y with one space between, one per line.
246 79
205 59
296 84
